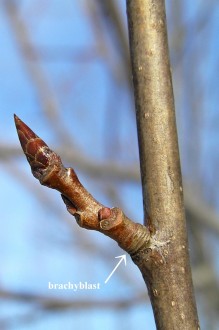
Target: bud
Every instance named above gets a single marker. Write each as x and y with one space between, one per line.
38 154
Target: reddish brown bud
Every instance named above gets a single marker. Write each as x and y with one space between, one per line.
38 154
104 213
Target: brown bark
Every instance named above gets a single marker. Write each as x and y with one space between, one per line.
47 167
159 248
165 267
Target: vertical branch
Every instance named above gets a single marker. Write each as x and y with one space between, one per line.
169 277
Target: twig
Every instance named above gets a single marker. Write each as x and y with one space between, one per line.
47 167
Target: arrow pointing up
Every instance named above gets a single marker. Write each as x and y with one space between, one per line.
123 257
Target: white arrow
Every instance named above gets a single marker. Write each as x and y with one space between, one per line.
123 257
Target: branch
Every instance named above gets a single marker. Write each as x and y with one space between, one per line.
169 283
196 208
110 170
57 303
47 97
47 167
41 305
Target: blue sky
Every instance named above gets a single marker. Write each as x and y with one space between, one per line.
36 246
30 257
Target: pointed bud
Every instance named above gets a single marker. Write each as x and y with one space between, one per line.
38 154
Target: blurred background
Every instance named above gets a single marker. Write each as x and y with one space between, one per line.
65 71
